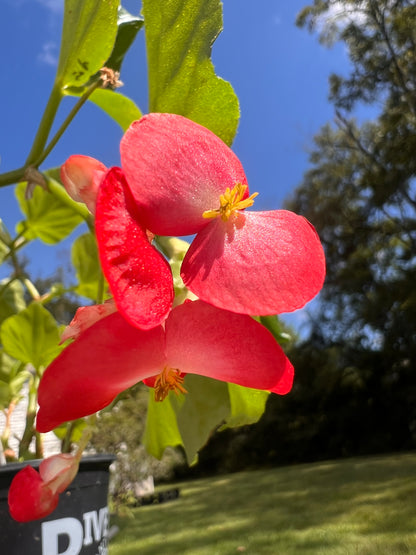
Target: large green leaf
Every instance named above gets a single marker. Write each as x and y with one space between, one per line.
84 256
119 107
161 429
190 419
182 80
32 336
247 405
205 407
88 36
50 215
11 298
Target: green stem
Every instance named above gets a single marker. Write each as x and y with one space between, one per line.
45 125
39 152
29 432
39 159
8 178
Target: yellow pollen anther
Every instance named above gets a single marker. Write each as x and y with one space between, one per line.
169 379
230 201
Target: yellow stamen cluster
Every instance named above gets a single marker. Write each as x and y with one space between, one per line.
230 201
169 379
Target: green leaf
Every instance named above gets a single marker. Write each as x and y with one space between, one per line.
247 405
76 428
128 26
13 376
182 80
161 429
88 36
50 215
11 298
85 260
119 107
5 241
32 336
205 407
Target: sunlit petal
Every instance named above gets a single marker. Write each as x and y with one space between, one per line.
176 170
140 278
256 263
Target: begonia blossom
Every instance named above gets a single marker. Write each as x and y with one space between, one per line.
185 180
178 178
33 494
109 356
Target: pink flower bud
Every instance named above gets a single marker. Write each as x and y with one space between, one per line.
34 495
81 176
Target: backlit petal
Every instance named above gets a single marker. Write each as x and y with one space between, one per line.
205 340
58 471
176 170
81 176
140 278
107 358
29 497
85 317
256 263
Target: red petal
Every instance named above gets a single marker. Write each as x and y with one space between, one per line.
139 277
107 358
205 340
29 497
256 263
85 317
176 170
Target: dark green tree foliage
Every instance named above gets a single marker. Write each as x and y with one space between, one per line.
360 195
355 385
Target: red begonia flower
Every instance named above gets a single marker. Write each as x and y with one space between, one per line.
185 180
111 355
34 495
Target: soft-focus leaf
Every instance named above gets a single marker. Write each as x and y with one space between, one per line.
88 36
49 216
205 407
77 428
11 298
5 240
32 336
182 80
119 107
84 256
13 375
247 405
161 428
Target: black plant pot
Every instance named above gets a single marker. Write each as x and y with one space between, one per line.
79 525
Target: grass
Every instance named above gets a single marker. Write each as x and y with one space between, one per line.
360 506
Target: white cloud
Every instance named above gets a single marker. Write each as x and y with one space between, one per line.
55 6
49 54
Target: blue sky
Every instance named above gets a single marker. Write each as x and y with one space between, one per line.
279 72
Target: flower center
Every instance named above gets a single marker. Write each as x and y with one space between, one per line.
230 201
169 379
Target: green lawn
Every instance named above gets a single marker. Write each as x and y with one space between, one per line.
355 506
